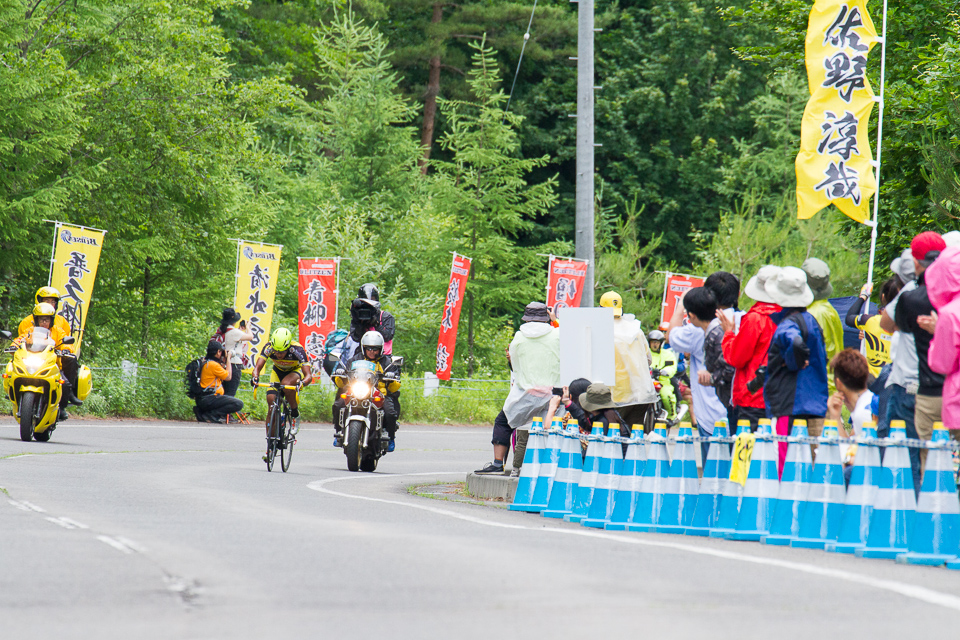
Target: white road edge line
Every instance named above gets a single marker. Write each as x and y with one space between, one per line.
902 588
116 544
61 522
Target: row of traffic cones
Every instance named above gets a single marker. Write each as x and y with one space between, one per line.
638 488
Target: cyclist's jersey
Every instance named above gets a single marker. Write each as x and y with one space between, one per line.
877 342
295 358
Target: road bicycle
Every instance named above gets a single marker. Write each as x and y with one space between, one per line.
283 433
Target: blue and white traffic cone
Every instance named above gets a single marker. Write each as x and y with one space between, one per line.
530 470
716 474
820 521
794 485
861 495
731 497
895 507
628 490
653 482
565 482
608 477
683 485
760 491
936 529
588 478
549 457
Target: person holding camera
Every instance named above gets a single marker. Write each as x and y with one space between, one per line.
746 349
215 406
233 339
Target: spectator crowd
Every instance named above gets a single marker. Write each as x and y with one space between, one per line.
782 359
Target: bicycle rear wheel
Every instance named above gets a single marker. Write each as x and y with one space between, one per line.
286 449
274 438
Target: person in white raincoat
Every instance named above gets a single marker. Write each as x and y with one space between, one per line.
535 360
633 389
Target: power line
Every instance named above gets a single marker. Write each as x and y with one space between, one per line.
526 37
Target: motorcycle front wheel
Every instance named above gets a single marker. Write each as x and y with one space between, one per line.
28 406
354 449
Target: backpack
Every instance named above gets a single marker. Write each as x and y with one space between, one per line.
192 379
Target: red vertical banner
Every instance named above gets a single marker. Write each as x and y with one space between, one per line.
317 293
676 285
565 280
447 343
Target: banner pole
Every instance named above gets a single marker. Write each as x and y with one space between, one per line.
53 250
236 275
876 195
549 275
336 307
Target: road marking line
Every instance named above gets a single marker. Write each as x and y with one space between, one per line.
116 544
76 524
23 505
61 522
902 588
130 544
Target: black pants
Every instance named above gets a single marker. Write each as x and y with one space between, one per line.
230 386
70 369
219 406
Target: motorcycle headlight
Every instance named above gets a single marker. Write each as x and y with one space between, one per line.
360 390
32 363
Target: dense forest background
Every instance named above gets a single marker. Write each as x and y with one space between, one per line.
380 131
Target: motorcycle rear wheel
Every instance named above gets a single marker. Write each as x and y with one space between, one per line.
28 406
354 450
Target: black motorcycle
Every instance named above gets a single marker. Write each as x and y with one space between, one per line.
361 422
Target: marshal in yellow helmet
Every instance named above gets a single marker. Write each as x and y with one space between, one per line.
613 300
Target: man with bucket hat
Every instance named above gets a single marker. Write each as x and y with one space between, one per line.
796 381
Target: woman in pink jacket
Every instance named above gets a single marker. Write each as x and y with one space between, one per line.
943 287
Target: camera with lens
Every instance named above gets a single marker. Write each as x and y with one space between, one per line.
757 383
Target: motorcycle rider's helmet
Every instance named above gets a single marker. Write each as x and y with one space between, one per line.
48 292
281 339
369 291
43 310
655 335
612 300
372 340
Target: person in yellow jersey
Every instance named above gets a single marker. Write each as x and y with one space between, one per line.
68 363
876 340
633 390
291 366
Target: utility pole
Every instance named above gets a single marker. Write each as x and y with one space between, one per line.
585 80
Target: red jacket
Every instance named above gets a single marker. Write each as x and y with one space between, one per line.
747 351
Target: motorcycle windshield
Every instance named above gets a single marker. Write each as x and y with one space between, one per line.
362 366
38 339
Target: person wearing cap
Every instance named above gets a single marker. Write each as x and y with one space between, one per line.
534 356
796 380
943 287
233 339
701 307
904 378
746 349
912 306
633 389
597 407
818 279
663 369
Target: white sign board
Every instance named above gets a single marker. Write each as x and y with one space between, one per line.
586 345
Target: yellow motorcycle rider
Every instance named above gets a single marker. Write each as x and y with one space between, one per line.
663 368
60 329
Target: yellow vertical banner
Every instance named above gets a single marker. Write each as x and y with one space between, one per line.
258 268
835 163
76 255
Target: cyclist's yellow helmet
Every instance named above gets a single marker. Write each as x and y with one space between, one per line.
48 292
613 300
281 339
43 309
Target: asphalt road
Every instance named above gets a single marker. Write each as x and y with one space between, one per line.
132 529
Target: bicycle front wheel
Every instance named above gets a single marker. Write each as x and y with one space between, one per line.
274 437
286 451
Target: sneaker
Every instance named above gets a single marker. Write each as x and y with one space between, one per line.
336 441
294 426
514 473
490 468
392 446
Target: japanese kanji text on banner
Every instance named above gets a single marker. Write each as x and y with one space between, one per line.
447 343
565 282
317 293
76 255
835 162
257 269
676 285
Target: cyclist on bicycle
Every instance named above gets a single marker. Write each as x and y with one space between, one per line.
290 367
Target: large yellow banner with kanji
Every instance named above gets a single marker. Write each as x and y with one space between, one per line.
76 255
835 161
258 267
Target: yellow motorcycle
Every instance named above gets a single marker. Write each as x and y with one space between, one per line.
34 384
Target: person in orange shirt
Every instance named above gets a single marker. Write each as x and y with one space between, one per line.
214 406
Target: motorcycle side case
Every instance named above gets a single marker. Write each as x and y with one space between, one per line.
84 382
